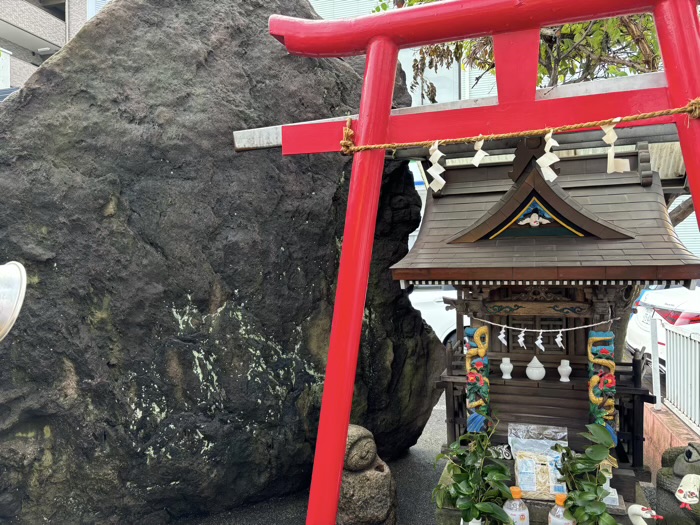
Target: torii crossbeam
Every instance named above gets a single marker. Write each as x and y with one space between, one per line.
515 27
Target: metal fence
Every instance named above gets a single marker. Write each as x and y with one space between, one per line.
683 373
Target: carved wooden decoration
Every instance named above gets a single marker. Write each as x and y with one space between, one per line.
552 309
602 383
478 385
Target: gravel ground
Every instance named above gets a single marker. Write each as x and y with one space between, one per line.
415 478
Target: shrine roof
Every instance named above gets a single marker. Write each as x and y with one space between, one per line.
607 226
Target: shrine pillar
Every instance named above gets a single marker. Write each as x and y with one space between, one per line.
679 37
353 276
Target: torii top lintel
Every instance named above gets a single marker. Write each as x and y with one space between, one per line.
440 22
515 27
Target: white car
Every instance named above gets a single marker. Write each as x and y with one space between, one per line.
429 301
678 307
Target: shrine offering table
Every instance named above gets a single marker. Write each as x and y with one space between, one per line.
554 403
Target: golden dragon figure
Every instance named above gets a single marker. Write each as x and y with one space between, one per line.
608 379
475 373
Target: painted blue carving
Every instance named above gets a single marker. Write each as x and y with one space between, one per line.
476 422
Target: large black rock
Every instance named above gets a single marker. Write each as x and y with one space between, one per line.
170 355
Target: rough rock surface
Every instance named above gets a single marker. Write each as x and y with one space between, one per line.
368 494
169 357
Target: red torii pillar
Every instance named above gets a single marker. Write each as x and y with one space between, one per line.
515 25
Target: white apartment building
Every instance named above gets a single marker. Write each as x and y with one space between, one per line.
33 30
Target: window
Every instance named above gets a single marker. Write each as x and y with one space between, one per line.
95 6
4 69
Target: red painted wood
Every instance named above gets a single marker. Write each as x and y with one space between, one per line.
358 238
517 57
503 118
679 35
440 22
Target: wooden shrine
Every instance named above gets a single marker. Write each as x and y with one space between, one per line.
533 254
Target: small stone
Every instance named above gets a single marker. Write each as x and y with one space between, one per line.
689 461
360 450
368 497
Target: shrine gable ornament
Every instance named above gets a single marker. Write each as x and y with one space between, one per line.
536 207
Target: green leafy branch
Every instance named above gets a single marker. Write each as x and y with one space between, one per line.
477 487
585 480
569 53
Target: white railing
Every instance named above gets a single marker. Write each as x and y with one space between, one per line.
683 374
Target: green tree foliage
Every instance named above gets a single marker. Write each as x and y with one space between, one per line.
568 54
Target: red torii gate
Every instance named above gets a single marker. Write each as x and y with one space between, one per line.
515 27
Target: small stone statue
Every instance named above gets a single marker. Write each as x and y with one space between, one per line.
368 493
637 514
679 481
687 492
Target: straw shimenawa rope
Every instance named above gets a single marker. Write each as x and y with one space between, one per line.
348 147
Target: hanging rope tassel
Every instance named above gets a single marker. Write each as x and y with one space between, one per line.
694 108
347 145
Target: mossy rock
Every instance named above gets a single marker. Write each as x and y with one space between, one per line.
670 455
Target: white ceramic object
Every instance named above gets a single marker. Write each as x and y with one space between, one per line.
472 522
688 490
13 284
506 368
535 370
564 371
637 513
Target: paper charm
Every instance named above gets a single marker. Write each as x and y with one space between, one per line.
502 336
538 343
549 158
549 142
521 339
558 340
423 176
610 137
480 153
436 170
617 165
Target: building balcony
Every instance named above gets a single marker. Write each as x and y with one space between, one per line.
31 27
